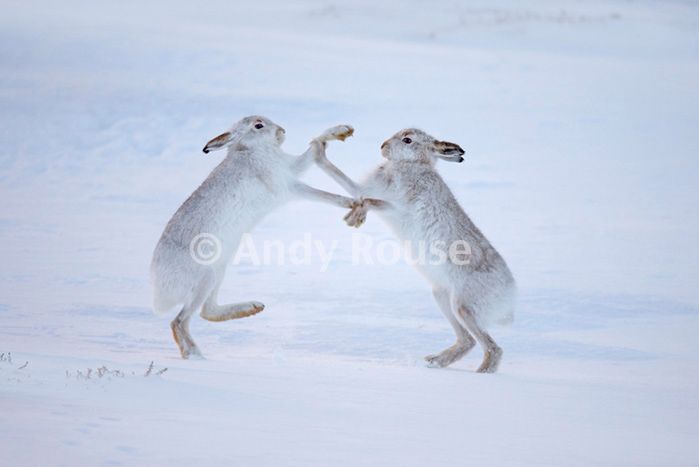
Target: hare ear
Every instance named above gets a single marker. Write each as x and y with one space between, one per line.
218 142
448 151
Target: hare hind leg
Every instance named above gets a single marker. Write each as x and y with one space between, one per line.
492 352
464 342
180 331
214 312
180 325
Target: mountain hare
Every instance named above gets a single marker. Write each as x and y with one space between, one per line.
255 177
417 204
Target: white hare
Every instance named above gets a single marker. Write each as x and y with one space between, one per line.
255 177
471 290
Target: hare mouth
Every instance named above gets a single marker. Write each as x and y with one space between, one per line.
455 158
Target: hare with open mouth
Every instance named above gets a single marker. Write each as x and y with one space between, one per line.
419 207
255 177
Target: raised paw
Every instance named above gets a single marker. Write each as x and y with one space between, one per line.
356 216
233 311
339 132
244 310
256 307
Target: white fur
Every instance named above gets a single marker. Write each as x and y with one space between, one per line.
255 178
419 207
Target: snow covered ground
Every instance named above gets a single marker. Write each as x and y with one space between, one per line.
580 124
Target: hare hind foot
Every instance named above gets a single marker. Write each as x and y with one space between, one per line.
234 311
450 355
491 360
188 348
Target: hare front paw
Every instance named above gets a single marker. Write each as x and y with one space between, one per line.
357 215
339 132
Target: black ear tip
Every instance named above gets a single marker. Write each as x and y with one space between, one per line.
461 159
206 150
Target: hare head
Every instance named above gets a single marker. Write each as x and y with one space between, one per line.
249 132
417 146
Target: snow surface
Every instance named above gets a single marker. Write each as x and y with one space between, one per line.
580 124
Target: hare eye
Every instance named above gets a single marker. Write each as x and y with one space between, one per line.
407 140
259 126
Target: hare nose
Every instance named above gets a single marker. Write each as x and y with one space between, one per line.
282 130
